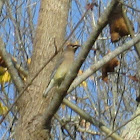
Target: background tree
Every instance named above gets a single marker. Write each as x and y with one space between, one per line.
92 109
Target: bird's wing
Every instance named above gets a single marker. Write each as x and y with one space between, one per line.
58 63
51 81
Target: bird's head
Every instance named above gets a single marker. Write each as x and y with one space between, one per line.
73 46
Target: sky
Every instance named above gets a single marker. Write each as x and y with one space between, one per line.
9 33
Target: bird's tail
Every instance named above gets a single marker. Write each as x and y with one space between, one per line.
49 87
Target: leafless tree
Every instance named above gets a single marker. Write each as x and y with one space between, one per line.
84 106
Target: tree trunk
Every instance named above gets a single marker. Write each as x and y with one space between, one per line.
51 25
132 129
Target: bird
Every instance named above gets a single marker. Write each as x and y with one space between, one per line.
109 67
64 65
117 24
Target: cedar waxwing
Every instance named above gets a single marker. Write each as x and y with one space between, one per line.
118 27
64 66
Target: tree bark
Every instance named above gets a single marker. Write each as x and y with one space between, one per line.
132 129
51 25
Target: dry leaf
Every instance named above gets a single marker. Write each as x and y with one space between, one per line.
84 83
109 67
5 78
3 109
29 61
134 78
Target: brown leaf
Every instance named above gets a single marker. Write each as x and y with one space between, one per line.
109 67
118 27
134 78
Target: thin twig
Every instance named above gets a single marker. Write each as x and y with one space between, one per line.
122 126
43 66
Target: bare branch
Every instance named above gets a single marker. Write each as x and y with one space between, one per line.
14 73
91 119
106 59
61 92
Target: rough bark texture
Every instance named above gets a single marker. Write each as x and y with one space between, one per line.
52 24
132 129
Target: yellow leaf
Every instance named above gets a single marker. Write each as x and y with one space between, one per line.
29 61
84 84
3 109
5 77
80 72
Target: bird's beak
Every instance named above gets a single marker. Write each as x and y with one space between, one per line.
76 46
